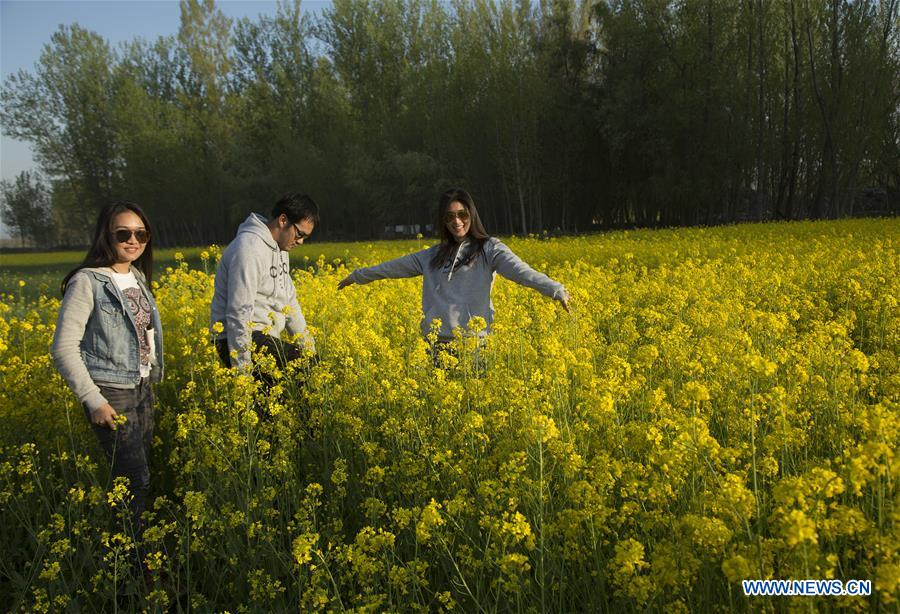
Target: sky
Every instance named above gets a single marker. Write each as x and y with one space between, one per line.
26 26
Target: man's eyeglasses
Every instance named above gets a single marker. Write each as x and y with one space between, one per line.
300 233
123 235
462 214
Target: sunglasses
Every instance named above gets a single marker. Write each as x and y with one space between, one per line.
462 214
123 235
300 233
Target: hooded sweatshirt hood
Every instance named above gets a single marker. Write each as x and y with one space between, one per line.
255 224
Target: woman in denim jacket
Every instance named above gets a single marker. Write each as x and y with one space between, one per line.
108 343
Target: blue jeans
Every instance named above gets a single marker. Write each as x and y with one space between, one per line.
128 447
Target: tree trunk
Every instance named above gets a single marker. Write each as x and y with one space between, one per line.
760 111
520 192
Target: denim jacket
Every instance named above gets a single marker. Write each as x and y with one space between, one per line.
96 339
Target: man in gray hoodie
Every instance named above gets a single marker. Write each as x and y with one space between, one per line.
254 297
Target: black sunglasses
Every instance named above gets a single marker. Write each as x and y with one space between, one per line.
123 235
300 233
462 214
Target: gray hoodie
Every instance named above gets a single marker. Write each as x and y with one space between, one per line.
456 293
254 290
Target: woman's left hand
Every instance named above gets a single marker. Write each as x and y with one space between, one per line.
564 299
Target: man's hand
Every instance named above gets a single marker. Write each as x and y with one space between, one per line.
104 415
564 299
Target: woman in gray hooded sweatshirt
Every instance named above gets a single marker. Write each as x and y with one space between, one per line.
108 343
458 273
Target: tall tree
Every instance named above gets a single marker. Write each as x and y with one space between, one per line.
25 209
64 110
554 114
203 52
272 83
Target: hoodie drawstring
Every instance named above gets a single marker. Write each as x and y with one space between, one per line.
277 269
455 259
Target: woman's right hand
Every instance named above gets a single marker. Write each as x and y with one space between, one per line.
104 415
345 282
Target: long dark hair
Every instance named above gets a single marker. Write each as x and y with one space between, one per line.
477 234
102 251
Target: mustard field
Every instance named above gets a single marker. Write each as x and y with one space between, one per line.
720 405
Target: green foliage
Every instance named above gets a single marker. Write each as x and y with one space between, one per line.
25 209
568 114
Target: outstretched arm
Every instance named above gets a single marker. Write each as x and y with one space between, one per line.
505 262
405 266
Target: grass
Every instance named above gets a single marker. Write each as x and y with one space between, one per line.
42 272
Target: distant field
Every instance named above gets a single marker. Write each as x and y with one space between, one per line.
43 271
